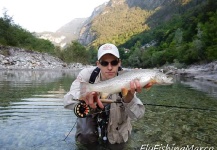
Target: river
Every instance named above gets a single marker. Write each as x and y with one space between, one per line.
32 116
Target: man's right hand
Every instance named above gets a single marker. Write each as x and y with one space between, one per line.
92 99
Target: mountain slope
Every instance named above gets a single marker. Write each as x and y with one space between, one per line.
120 20
87 35
65 34
115 21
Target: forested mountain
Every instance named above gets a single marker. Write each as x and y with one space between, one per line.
188 37
122 19
116 22
86 36
184 31
149 33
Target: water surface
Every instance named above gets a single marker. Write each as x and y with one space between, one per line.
32 114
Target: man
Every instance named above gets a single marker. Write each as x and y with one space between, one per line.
118 127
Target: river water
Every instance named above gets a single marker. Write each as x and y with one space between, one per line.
32 116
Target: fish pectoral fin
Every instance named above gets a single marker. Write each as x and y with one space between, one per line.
104 95
150 83
148 86
124 92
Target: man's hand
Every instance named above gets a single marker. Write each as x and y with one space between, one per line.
91 100
134 87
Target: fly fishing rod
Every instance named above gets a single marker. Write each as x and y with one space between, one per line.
81 109
180 107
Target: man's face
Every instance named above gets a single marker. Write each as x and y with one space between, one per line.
108 65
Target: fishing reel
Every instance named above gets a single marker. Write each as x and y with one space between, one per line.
81 109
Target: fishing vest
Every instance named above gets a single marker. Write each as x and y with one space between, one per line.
102 118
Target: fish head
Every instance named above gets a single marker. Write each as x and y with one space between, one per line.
161 78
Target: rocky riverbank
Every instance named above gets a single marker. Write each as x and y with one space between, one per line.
17 58
199 72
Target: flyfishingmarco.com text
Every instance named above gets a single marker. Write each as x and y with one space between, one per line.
174 147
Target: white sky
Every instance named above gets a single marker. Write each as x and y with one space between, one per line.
47 15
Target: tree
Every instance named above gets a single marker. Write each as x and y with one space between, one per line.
14 35
76 53
92 53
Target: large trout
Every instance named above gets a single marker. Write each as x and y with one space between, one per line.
146 77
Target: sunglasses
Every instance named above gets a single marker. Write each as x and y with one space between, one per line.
113 63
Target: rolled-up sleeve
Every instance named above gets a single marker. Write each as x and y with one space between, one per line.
135 109
71 98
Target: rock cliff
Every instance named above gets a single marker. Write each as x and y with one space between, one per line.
87 35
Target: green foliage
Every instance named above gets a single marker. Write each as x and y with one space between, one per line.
76 53
209 35
187 38
183 34
211 52
92 53
120 24
14 35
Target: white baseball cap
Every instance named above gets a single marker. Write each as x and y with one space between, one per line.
108 49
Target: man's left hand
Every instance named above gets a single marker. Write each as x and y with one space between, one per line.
135 86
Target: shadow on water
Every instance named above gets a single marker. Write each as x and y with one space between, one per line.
32 114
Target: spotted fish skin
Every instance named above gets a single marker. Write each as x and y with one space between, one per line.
116 84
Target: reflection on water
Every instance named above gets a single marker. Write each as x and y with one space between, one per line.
31 109
32 114
209 88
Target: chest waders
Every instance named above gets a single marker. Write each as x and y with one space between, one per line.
82 110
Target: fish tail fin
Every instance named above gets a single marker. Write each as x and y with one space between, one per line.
84 89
